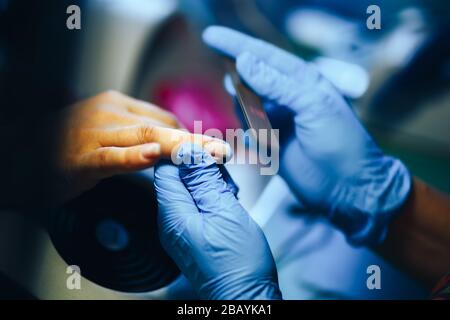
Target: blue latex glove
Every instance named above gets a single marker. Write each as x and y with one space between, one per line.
327 158
211 238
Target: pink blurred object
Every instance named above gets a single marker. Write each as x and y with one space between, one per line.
194 99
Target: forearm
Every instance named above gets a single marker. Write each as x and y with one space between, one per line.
419 238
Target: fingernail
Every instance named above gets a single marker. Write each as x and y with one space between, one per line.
151 150
219 150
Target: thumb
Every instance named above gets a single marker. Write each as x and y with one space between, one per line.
202 177
278 87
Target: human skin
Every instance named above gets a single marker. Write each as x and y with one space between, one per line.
418 240
57 157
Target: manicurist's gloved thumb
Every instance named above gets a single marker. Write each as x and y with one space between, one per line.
203 179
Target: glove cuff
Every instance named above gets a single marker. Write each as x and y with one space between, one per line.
383 195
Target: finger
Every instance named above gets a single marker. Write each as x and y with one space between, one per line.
114 115
109 161
233 43
139 107
279 116
350 79
135 119
270 83
168 138
202 178
154 113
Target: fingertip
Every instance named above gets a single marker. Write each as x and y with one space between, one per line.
212 33
189 154
203 179
207 34
224 40
220 151
197 168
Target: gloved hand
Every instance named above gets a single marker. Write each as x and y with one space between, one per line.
327 158
211 238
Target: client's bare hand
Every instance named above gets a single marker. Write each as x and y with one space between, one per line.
112 134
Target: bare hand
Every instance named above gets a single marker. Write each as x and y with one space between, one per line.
112 133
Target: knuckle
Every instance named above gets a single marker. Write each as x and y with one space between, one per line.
145 134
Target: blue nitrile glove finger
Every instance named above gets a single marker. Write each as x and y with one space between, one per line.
280 117
331 163
212 239
233 43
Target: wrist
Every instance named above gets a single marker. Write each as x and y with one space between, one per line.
397 188
380 198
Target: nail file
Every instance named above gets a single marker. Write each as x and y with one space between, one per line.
250 104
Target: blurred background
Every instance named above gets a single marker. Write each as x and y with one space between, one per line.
397 79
